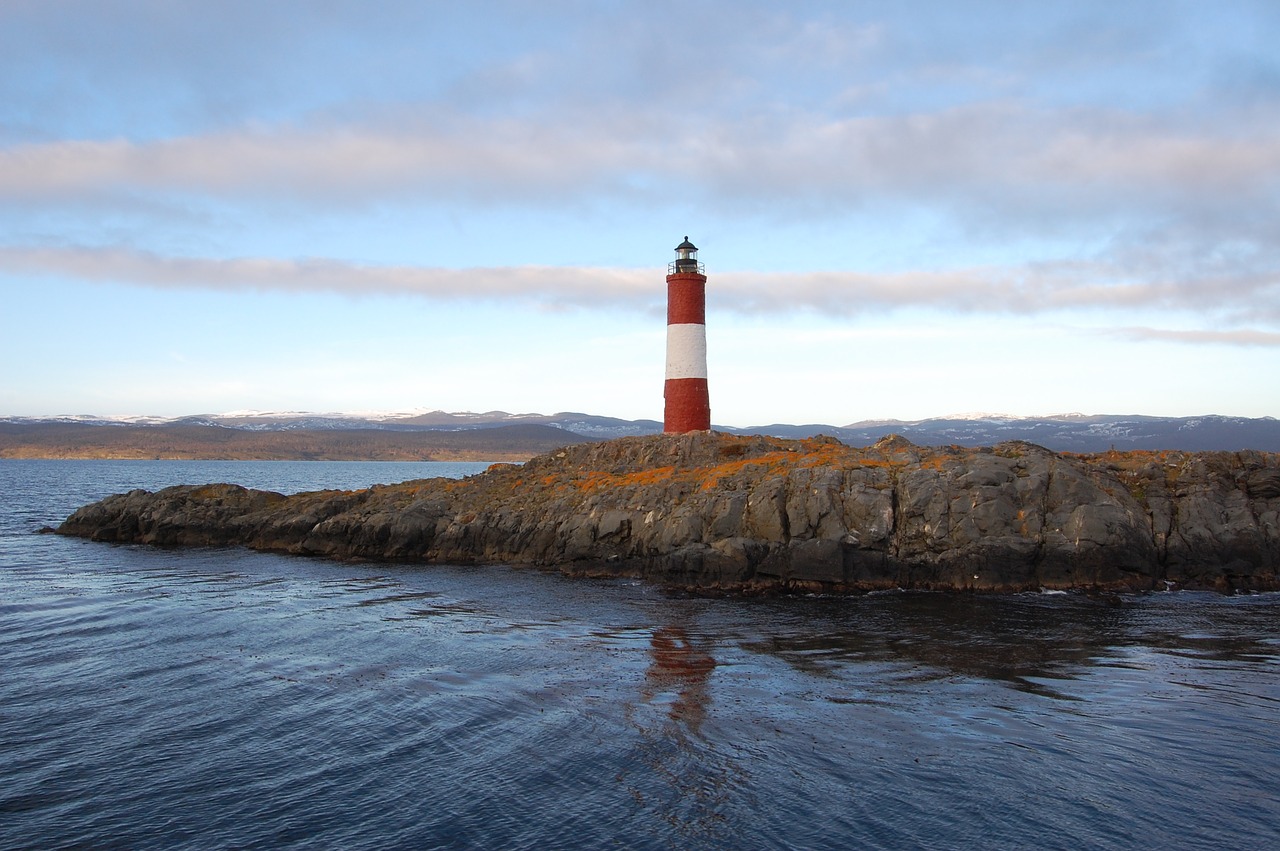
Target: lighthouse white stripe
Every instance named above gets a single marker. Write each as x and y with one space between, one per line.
686 351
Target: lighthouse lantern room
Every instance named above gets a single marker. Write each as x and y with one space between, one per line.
686 259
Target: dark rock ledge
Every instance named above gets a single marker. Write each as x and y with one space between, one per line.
716 512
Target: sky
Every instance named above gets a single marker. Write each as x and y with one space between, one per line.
905 209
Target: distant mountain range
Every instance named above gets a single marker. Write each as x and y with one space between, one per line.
1064 432
501 435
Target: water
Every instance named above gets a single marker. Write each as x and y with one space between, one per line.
226 699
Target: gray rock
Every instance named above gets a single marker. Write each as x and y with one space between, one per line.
717 512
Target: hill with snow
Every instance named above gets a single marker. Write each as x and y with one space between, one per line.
526 433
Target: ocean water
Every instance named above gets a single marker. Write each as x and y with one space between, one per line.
219 698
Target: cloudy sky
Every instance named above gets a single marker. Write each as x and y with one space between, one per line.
906 209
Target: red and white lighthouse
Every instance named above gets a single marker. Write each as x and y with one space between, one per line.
688 408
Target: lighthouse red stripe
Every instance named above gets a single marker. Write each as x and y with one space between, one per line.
688 406
686 299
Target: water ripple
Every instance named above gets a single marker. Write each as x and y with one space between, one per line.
219 698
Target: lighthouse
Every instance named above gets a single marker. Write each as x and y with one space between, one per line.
688 408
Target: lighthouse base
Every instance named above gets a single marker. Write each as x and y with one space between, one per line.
688 406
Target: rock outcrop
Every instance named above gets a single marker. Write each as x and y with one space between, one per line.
716 512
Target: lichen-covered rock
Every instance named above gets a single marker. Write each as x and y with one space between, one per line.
719 512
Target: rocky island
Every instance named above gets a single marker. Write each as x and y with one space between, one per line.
721 513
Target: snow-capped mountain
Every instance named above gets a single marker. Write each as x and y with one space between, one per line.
1072 432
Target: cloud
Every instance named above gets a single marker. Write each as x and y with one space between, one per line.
1167 197
1076 122
499 159
583 287
992 170
1026 290
1239 337
1010 160
1023 290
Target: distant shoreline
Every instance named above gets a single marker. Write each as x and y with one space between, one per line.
72 441
459 457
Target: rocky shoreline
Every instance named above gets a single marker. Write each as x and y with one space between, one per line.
719 513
